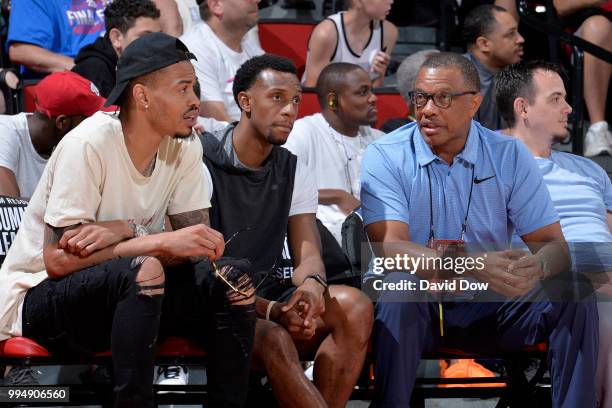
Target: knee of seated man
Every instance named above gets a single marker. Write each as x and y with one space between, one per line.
356 308
150 277
241 291
273 336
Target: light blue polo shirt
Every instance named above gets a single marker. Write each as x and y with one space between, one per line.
511 194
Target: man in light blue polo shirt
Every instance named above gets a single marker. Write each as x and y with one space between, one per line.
448 178
531 97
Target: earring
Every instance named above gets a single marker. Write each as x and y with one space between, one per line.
146 107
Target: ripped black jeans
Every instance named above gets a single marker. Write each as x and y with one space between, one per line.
202 307
103 306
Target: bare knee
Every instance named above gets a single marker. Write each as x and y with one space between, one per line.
358 312
150 278
274 343
598 30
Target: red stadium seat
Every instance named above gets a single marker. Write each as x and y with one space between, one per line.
179 347
287 38
22 347
390 105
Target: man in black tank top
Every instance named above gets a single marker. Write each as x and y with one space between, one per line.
261 192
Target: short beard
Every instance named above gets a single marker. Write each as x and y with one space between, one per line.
275 141
559 138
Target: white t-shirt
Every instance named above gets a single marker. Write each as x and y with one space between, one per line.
211 124
217 64
189 12
333 158
90 177
17 153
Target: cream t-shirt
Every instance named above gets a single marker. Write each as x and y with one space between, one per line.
90 177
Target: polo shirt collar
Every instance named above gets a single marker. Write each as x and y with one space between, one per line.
425 155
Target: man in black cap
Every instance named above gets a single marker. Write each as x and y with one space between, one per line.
98 278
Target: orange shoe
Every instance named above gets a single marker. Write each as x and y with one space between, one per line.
466 368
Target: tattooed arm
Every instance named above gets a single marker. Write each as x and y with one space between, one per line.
60 262
213 241
193 239
188 218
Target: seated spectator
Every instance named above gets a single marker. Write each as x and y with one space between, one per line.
189 12
45 36
406 74
331 143
227 38
531 97
92 259
126 20
482 186
170 18
260 185
63 100
493 42
359 36
592 24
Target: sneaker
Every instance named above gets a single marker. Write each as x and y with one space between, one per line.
309 370
598 140
466 368
20 375
172 375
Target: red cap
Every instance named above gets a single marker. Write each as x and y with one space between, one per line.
67 93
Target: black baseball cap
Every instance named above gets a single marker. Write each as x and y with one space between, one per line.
144 55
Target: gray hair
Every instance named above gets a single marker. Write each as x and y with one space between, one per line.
408 70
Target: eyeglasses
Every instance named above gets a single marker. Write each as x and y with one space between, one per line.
216 269
227 282
442 100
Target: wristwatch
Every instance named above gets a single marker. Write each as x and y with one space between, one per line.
139 230
318 278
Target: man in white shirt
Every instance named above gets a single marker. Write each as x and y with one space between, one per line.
227 38
63 100
97 279
332 142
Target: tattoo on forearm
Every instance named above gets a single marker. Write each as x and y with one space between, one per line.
54 234
189 218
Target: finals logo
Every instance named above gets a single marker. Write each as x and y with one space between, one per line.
86 16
